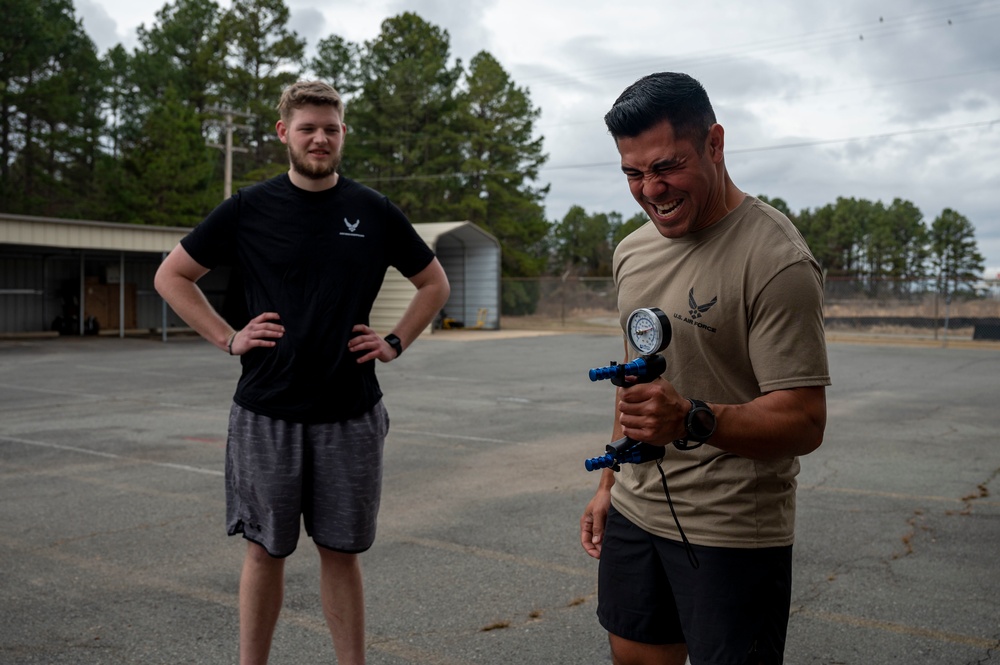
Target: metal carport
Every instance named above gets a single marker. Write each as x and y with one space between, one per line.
470 257
58 271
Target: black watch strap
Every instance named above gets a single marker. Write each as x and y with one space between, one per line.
395 343
700 421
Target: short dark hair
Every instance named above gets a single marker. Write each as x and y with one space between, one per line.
662 96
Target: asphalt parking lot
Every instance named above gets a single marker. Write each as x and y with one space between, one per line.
113 548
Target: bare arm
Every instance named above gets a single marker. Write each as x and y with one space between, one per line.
432 294
783 423
595 515
176 281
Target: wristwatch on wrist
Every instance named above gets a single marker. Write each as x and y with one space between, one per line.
700 421
394 342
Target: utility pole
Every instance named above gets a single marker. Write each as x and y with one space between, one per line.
228 126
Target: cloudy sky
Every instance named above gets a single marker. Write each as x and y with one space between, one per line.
874 99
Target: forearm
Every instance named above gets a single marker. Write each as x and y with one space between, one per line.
190 303
607 479
783 423
425 305
432 294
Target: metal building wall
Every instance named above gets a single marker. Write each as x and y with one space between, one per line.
22 292
474 271
47 263
41 285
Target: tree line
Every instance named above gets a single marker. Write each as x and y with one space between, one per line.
128 136
874 244
887 249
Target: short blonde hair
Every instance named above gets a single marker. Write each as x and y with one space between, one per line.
306 93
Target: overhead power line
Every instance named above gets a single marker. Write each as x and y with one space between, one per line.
808 144
877 27
904 132
541 126
780 146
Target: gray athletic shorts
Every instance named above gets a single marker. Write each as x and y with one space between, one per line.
327 475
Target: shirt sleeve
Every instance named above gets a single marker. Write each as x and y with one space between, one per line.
408 253
787 340
213 242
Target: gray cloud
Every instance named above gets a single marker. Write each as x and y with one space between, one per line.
310 24
462 20
101 28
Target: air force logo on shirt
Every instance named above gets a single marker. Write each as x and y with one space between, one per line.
352 228
696 311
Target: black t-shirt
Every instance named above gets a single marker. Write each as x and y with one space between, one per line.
318 259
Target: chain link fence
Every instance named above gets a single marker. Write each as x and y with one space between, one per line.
913 310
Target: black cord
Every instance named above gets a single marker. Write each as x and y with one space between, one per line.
692 556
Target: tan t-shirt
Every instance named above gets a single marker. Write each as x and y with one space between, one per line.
744 298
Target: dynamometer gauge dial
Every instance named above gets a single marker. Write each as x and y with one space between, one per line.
648 330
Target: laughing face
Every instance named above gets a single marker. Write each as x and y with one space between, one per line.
315 137
681 188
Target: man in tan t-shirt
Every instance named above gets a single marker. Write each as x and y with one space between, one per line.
696 551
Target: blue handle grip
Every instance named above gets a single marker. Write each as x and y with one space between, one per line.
636 455
638 367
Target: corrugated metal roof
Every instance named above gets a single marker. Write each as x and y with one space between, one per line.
83 234
431 231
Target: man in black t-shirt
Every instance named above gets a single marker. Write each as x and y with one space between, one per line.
307 425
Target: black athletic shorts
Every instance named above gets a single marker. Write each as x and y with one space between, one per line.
731 610
328 476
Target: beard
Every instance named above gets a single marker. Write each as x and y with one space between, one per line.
312 169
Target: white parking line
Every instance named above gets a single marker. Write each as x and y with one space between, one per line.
98 453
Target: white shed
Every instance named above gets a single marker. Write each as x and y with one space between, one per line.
470 257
